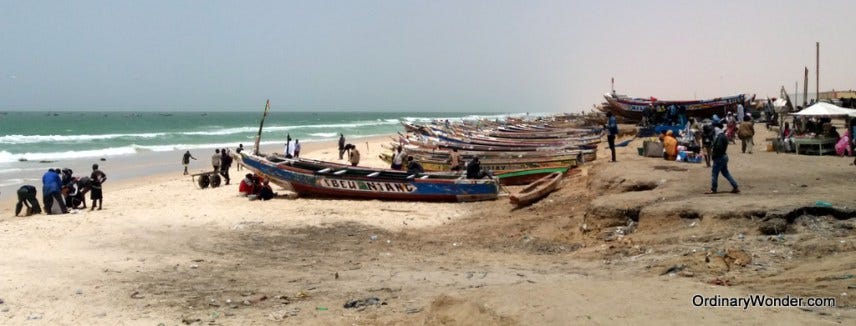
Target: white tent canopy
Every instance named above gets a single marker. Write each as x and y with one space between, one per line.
826 109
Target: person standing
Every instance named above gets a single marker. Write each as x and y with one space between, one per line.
238 151
296 148
746 133
454 160
27 197
397 159
612 131
707 135
720 161
670 146
740 112
51 192
215 160
186 160
341 145
98 178
225 164
353 155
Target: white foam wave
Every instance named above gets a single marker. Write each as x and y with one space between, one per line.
10 157
29 139
324 134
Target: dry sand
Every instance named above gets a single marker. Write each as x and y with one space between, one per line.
163 251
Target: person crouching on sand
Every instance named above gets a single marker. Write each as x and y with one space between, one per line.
353 155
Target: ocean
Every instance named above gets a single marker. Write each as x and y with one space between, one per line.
31 142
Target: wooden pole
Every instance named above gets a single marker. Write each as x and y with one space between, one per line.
805 88
817 73
261 124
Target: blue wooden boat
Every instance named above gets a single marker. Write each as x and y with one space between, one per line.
327 179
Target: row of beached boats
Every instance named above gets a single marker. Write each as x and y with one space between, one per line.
536 154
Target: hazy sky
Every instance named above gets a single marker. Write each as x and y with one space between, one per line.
537 56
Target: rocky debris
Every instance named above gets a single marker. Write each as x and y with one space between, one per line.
189 320
137 295
413 310
773 226
674 269
282 314
35 316
736 257
1 301
370 301
720 282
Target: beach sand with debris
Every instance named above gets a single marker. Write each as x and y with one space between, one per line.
632 242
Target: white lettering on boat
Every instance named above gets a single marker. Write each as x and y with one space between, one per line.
358 185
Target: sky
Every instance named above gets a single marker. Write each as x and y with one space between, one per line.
398 55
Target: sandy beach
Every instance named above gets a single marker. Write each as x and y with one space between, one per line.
630 242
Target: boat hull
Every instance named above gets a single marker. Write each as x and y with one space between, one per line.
537 190
313 183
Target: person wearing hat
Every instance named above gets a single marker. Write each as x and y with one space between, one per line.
720 161
98 178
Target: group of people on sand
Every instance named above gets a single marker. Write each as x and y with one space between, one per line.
401 161
61 191
255 187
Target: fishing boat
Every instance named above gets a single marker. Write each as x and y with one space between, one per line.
327 179
632 108
431 164
526 176
537 190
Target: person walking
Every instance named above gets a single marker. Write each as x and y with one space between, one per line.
746 133
225 164
720 161
98 178
612 131
186 160
341 146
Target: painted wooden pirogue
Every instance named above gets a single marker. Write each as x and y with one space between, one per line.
537 190
632 108
326 179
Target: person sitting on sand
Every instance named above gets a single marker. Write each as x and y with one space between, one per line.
670 145
413 166
185 160
266 192
247 185
27 198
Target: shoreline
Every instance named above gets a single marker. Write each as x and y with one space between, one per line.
154 166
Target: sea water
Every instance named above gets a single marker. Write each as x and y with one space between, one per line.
31 142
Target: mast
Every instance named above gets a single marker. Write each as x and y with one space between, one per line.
261 124
817 73
805 88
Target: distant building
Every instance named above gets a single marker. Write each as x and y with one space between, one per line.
833 94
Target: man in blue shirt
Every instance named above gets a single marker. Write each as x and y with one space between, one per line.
612 131
51 187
